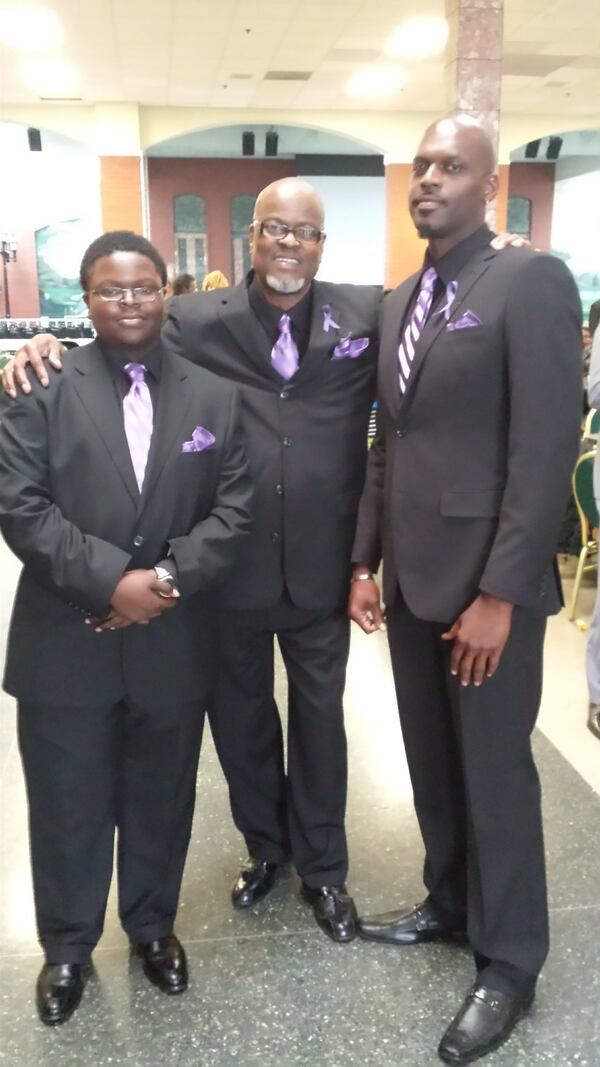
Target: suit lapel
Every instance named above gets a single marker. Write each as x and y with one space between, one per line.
241 322
436 323
97 393
321 342
392 321
173 406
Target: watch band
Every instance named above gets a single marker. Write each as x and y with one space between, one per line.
163 575
362 578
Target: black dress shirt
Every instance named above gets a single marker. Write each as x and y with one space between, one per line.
269 315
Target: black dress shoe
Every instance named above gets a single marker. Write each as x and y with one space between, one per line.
58 992
408 927
334 911
165 964
485 1021
256 879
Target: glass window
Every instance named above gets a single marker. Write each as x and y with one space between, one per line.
242 213
189 226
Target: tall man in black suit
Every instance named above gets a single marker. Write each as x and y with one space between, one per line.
123 490
479 405
305 408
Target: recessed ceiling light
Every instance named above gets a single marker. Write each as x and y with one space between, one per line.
418 38
49 75
30 27
376 82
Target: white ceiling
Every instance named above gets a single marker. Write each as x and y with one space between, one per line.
206 54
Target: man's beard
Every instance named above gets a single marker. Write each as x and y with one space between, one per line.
285 285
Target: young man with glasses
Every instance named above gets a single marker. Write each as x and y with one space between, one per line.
123 490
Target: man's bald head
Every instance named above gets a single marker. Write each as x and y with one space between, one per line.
291 193
453 180
469 134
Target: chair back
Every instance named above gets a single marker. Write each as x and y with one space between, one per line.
583 491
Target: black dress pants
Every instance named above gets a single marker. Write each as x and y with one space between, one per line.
90 771
299 813
476 790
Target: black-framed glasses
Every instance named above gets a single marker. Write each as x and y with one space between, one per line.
305 234
141 294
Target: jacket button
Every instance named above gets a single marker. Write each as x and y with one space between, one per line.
400 433
284 394
274 537
138 540
279 490
287 442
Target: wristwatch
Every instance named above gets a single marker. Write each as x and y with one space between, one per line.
163 575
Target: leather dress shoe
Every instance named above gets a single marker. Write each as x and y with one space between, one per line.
255 880
334 911
58 992
408 927
594 719
484 1022
165 964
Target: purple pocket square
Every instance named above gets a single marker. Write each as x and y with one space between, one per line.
201 440
350 347
469 318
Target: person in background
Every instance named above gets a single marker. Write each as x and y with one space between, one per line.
593 643
110 714
215 280
183 284
478 427
594 317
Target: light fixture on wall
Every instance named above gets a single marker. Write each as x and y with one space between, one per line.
8 251
34 138
247 143
271 143
554 147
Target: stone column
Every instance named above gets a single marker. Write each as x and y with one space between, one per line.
474 74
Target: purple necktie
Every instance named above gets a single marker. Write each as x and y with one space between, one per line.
139 420
284 357
406 351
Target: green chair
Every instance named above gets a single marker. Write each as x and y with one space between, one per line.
583 491
592 423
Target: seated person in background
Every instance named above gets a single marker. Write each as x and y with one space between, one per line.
593 645
124 491
215 280
183 284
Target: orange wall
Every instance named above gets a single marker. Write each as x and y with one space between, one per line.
121 193
404 248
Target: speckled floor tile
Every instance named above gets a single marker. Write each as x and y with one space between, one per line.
267 988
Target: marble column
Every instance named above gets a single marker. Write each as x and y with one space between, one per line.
474 73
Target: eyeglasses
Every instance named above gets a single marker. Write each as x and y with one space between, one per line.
141 294
307 235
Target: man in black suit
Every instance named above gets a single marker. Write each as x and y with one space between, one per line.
479 408
123 490
306 431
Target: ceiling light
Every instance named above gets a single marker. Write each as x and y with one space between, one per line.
49 76
30 27
418 38
376 82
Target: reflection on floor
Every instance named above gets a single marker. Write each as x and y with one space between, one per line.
268 988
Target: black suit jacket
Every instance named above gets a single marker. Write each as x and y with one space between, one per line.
306 438
71 511
470 471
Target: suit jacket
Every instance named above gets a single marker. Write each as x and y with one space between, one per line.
306 438
71 510
470 471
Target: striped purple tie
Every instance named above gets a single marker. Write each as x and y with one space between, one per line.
138 418
406 350
284 357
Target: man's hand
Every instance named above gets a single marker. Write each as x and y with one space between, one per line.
364 604
479 636
504 240
140 597
42 346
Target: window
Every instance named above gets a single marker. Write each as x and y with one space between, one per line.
242 213
519 215
189 226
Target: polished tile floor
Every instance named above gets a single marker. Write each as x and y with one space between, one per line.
267 987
